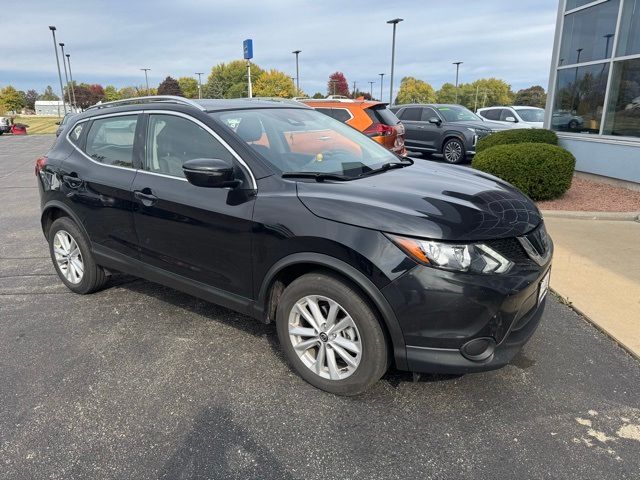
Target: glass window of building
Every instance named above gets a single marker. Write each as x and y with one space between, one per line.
629 41
571 4
623 111
588 34
579 98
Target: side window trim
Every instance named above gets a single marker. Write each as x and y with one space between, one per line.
86 130
241 162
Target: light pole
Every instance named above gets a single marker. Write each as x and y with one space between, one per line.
55 47
393 22
371 89
297 52
66 77
381 79
146 78
457 64
73 90
199 83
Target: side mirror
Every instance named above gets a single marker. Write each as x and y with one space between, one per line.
511 119
435 121
209 172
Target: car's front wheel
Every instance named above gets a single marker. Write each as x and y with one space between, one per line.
331 335
453 151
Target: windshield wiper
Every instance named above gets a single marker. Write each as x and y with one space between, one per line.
317 176
388 166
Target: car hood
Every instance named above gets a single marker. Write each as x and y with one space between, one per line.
427 199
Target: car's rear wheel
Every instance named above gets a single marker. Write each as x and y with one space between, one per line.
453 151
331 335
72 258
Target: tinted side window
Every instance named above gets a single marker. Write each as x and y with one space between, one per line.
76 133
493 114
326 111
506 113
173 140
341 114
110 140
411 113
428 113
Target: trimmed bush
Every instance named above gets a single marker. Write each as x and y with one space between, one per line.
520 135
541 171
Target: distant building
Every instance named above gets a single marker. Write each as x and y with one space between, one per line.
51 107
594 86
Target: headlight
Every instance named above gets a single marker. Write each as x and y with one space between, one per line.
461 257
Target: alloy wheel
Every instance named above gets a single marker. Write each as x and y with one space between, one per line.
325 337
68 257
453 151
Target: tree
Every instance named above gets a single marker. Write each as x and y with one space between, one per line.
189 87
11 99
48 94
337 84
111 93
413 90
31 96
446 94
489 92
170 86
274 84
318 95
229 80
533 97
88 95
127 92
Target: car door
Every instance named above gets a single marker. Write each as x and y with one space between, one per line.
430 133
201 234
97 179
411 118
508 113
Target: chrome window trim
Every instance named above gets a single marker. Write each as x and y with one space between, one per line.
131 169
254 183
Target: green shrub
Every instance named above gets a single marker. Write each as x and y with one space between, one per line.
541 171
520 135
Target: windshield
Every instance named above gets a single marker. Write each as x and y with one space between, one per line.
455 113
531 114
301 140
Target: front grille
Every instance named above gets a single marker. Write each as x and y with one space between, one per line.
511 249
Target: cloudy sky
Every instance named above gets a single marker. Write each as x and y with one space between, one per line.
109 41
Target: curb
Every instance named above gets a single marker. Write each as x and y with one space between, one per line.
620 216
565 301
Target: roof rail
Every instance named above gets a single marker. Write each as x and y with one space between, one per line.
149 99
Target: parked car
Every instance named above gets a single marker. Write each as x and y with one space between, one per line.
63 123
524 117
281 213
372 118
5 125
448 130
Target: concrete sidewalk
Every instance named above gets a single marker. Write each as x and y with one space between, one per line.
596 268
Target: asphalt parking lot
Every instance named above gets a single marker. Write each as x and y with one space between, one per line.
140 381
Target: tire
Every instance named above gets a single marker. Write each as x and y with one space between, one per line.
363 333
573 125
453 151
93 276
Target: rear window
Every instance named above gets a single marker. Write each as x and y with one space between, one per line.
381 114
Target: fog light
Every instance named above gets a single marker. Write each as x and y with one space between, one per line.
478 349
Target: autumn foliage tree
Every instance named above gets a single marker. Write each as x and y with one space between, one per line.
189 86
413 90
337 84
170 86
532 97
88 95
274 83
229 80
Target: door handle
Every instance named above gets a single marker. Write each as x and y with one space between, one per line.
145 196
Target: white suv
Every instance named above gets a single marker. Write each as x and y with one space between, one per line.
525 117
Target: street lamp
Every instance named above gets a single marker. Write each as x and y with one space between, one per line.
381 79
199 83
297 52
146 78
457 64
393 22
66 77
371 89
55 47
73 90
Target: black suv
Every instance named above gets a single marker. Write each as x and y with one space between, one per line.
361 257
448 130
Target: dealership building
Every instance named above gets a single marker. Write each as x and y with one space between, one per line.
594 86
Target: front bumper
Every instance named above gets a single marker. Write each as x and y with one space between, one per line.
440 312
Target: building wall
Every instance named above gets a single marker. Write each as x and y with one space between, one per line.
594 85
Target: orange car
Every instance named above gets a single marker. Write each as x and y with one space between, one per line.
372 118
